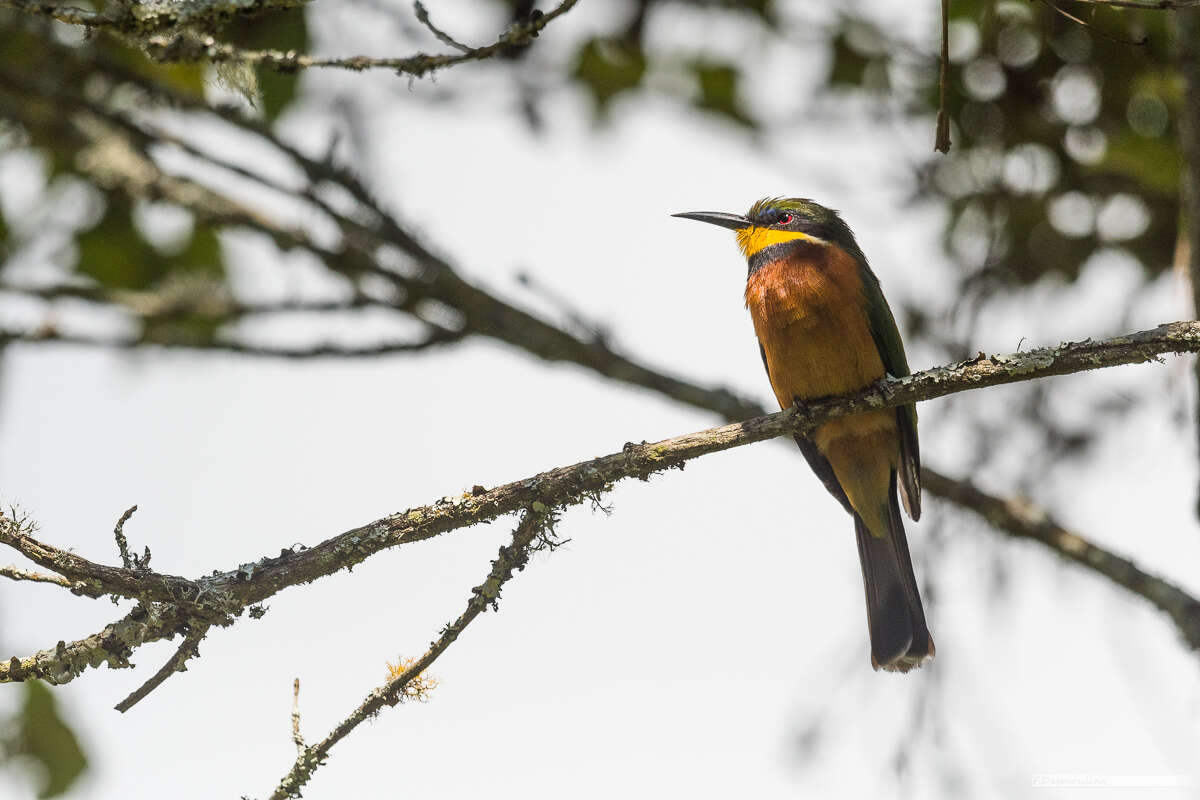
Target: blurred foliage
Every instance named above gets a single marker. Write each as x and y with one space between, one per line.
112 247
1064 130
38 739
607 67
1065 140
288 30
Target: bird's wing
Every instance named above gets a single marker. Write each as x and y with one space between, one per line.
891 351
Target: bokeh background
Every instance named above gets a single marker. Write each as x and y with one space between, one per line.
704 636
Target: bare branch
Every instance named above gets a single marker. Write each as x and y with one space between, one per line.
159 306
177 663
437 337
443 37
941 142
1025 521
512 558
1099 31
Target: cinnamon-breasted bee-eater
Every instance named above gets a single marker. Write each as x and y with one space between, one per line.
824 328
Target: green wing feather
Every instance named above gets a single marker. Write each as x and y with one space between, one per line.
891 351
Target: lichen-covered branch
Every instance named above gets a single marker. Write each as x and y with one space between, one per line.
175 30
149 16
190 648
1023 520
512 558
111 646
17 574
217 598
186 45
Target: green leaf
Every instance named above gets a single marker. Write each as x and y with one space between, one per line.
719 91
847 65
608 67
1155 163
43 736
114 253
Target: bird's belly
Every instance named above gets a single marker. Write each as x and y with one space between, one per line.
813 357
814 332
811 322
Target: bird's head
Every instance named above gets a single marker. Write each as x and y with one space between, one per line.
775 225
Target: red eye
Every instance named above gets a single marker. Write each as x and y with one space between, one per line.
785 218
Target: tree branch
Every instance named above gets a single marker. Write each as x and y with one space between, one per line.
148 16
371 229
185 45
434 338
297 739
512 558
17 574
1025 521
111 646
1187 43
190 648
172 31
215 599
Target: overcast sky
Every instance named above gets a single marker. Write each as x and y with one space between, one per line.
688 643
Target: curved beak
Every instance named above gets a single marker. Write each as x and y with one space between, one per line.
734 222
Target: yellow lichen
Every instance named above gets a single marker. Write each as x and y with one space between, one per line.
418 687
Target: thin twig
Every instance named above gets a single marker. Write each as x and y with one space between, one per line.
127 560
941 141
437 337
1099 31
17 574
296 737
176 663
512 558
443 37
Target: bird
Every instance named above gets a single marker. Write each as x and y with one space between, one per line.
824 328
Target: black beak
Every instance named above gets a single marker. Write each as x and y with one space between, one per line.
732 221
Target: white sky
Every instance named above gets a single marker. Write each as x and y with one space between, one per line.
680 645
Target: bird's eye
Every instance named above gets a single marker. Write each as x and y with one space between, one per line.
785 219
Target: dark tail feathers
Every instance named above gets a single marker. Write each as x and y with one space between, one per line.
899 639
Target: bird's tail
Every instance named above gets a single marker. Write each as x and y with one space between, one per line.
899 638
